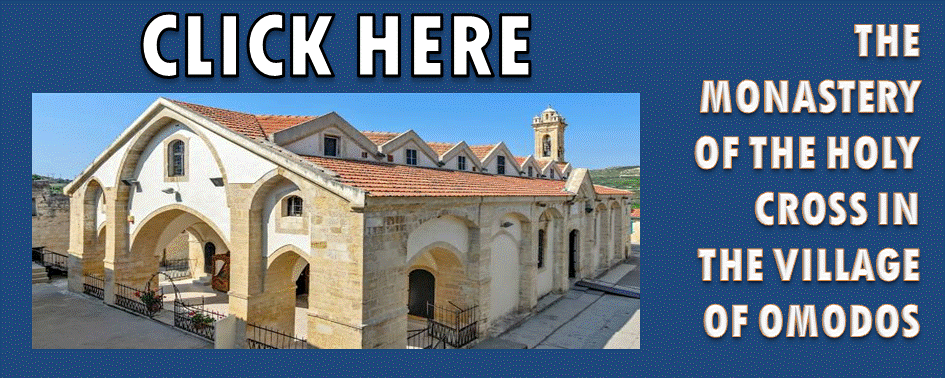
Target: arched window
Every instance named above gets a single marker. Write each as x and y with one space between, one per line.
293 206
546 146
175 159
541 249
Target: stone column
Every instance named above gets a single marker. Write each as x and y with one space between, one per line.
119 266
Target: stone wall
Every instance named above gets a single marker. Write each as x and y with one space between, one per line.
50 218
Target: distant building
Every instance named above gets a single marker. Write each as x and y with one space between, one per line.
50 218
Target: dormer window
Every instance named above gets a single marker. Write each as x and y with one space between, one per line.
293 206
411 157
461 163
531 172
500 165
331 146
175 159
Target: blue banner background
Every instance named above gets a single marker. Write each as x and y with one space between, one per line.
663 52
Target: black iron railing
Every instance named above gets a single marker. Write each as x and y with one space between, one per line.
176 268
446 327
94 286
130 299
258 337
454 326
53 261
195 319
423 339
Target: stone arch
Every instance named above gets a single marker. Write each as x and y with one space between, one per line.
454 232
451 273
553 276
141 260
93 229
254 263
143 137
279 289
512 265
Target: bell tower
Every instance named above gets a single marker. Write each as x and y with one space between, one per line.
549 135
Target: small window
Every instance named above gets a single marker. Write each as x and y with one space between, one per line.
500 165
461 163
541 249
531 172
293 206
331 146
176 159
364 155
411 157
34 207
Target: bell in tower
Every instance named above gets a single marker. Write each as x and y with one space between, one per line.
549 135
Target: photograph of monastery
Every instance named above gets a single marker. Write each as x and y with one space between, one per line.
245 230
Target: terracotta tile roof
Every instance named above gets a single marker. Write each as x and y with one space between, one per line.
251 125
483 150
379 137
608 191
274 123
635 213
391 180
440 148
561 166
520 160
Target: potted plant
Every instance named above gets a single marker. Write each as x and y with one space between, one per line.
152 300
200 320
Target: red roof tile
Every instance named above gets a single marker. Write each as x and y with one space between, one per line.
520 160
274 123
440 148
379 137
635 213
391 180
482 151
251 125
608 191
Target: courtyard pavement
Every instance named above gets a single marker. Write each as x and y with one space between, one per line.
66 320
582 319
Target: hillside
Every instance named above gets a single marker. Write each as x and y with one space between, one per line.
620 177
55 184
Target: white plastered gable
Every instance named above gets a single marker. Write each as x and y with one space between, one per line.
461 149
353 142
503 150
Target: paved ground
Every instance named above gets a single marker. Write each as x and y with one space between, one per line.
65 320
583 319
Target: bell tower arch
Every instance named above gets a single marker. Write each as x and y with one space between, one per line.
549 135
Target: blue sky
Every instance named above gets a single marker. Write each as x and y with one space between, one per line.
70 130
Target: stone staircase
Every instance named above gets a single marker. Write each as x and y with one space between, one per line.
39 274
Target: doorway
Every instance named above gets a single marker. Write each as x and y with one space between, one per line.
573 240
209 250
421 290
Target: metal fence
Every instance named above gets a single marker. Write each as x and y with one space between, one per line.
94 286
53 261
258 337
195 319
177 268
129 298
456 327
422 339
446 327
